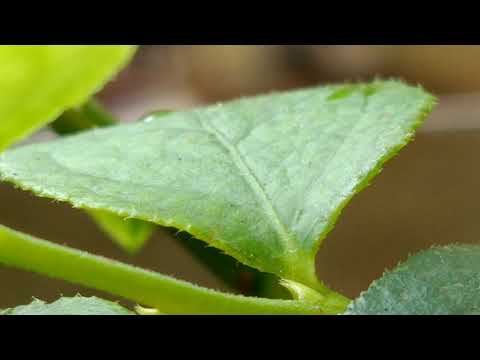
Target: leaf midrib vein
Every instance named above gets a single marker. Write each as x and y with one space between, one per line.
250 178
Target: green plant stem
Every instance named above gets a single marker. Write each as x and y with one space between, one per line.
148 288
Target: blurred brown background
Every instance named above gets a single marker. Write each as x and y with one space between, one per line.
428 195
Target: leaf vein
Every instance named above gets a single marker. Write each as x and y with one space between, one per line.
253 182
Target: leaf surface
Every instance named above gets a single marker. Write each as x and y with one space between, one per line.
263 179
77 305
439 281
130 234
39 82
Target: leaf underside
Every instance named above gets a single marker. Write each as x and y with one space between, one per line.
263 179
439 281
38 83
77 305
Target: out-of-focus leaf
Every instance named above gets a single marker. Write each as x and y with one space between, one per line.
39 82
239 277
131 234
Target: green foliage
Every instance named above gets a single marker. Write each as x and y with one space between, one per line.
38 83
263 179
439 281
260 180
77 305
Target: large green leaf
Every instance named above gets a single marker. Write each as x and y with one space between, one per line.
77 305
440 281
263 179
39 82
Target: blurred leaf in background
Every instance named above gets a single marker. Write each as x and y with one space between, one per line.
38 83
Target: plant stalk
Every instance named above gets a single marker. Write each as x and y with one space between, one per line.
168 295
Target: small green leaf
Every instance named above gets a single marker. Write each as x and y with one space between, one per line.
439 281
131 234
77 305
264 179
39 82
